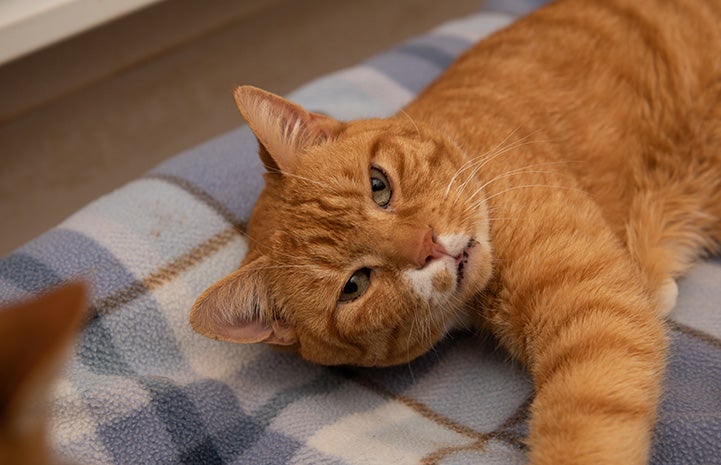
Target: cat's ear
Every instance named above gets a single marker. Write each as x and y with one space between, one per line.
235 309
284 129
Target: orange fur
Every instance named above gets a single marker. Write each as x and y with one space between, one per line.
566 170
33 336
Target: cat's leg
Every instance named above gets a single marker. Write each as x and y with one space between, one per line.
597 365
598 378
597 375
574 308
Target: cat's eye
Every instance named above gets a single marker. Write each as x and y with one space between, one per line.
380 187
356 285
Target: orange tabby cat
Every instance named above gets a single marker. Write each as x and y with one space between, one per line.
549 187
33 336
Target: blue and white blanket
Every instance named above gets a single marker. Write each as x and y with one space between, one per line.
142 388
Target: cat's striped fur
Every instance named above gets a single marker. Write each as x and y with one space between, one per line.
549 187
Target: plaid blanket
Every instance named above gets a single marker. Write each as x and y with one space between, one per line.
142 388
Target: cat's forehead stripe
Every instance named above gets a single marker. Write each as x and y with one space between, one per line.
392 142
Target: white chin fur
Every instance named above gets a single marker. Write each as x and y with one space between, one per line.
421 280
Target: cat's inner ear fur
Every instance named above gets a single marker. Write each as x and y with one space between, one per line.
284 129
237 308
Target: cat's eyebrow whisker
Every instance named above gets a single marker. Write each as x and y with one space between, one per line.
405 113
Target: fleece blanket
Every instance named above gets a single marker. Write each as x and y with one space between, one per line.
141 388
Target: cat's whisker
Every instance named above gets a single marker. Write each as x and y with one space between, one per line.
499 177
427 331
469 163
525 169
497 153
517 171
501 149
447 312
522 142
498 150
410 371
471 209
403 112
410 335
408 346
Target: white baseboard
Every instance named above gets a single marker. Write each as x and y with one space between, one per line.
27 25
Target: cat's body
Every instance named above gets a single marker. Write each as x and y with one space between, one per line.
549 187
631 106
34 336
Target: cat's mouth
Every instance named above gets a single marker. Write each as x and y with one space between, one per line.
462 261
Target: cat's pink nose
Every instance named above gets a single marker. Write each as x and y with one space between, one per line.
409 246
430 249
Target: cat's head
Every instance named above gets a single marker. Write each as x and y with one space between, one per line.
362 249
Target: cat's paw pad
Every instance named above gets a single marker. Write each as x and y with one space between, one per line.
666 297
